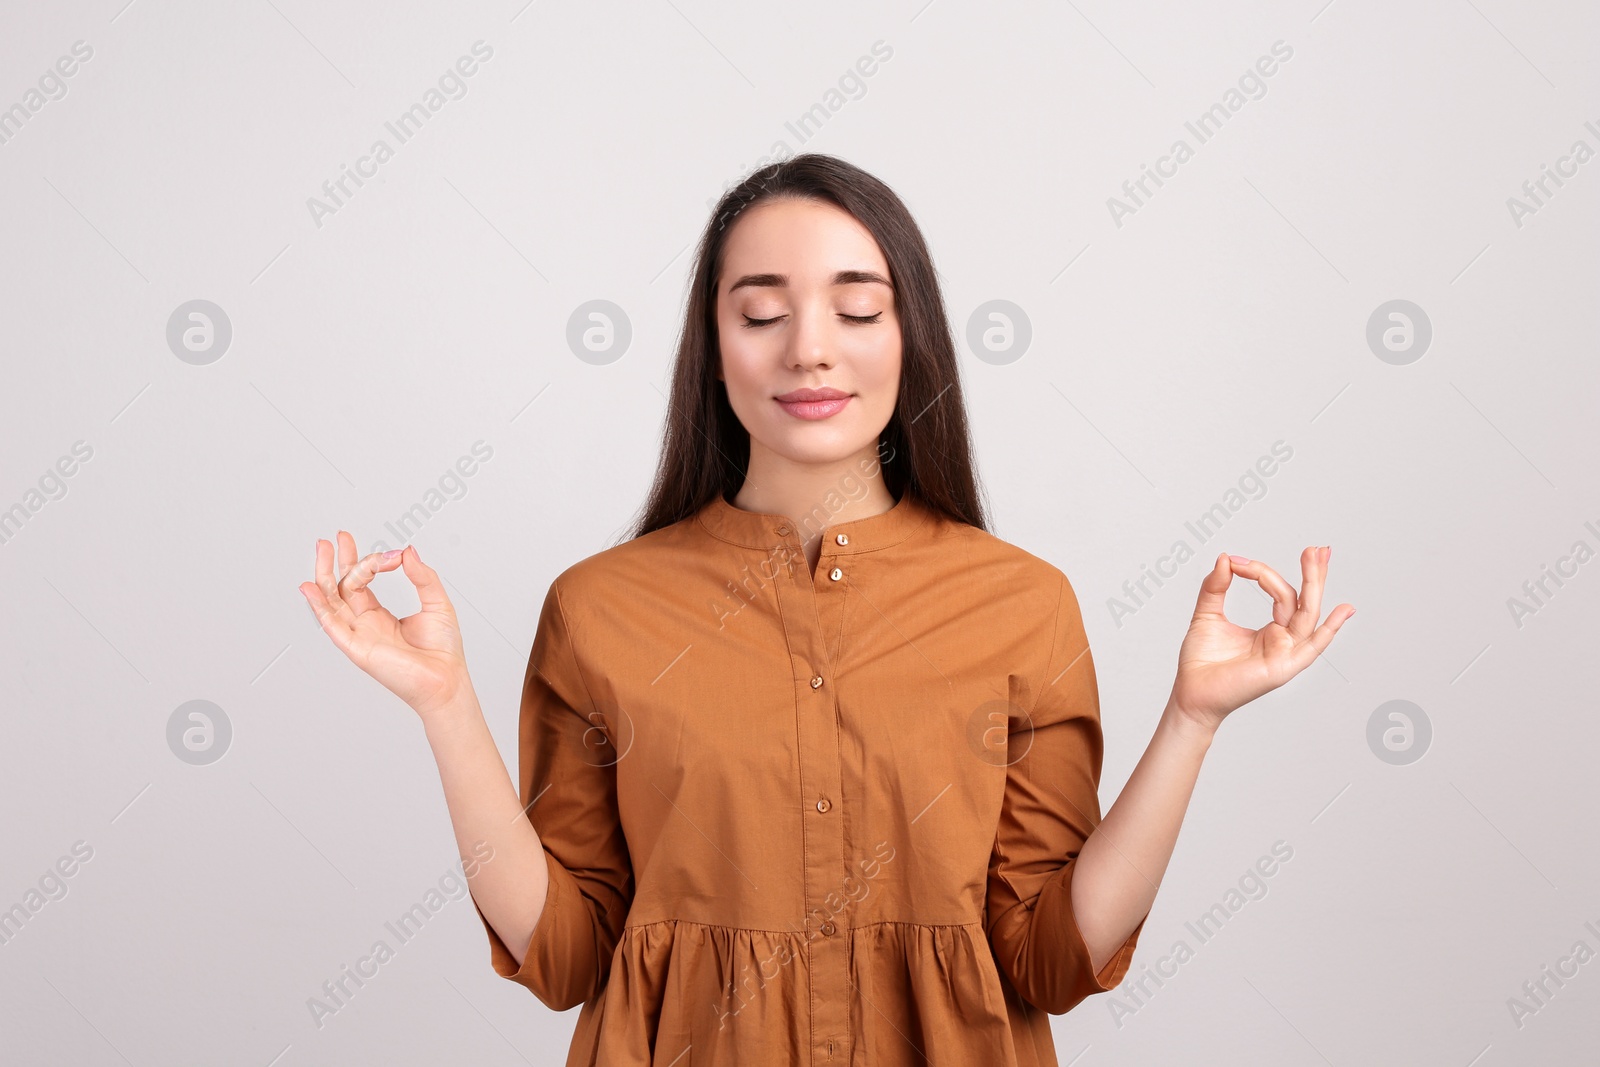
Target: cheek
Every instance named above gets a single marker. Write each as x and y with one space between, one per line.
740 374
881 367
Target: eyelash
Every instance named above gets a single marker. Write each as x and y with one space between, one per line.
864 320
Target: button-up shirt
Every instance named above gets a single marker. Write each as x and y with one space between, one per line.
817 817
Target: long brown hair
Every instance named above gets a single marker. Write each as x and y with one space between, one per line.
924 449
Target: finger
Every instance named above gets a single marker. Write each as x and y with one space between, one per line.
1322 636
430 589
358 598
1214 587
331 625
1284 600
345 543
1313 572
354 585
348 558
329 586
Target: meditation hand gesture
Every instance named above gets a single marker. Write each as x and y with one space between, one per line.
1222 666
418 658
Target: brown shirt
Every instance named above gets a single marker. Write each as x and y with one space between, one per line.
822 819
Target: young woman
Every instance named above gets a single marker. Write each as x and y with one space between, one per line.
809 763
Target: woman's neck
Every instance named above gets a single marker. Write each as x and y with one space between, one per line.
814 496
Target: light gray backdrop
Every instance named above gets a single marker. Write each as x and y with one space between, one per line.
167 466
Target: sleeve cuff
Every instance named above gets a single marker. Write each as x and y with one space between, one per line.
500 957
1115 968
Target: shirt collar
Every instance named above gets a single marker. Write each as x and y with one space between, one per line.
753 529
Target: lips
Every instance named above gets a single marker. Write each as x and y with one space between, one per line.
814 403
826 392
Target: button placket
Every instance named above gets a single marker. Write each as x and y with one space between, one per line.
805 601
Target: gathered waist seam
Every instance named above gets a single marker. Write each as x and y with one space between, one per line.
629 927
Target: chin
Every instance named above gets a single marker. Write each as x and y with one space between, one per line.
818 445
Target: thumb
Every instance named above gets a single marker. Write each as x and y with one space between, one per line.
1214 587
430 589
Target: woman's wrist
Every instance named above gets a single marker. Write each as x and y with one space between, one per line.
461 708
1187 728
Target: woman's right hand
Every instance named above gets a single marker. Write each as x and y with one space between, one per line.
418 658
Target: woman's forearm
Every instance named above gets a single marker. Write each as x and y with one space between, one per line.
509 887
1122 861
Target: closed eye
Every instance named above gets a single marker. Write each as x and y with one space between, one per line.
865 320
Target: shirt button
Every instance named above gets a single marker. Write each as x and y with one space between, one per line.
836 574
783 531
828 929
816 683
823 805
842 539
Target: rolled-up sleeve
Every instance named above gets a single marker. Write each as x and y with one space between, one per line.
1051 807
567 782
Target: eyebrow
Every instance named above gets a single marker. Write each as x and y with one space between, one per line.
778 281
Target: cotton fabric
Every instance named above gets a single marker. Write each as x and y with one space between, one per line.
818 818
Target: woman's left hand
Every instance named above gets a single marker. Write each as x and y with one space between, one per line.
1223 666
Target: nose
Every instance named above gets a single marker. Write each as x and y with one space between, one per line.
811 344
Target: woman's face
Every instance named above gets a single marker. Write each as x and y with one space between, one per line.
804 303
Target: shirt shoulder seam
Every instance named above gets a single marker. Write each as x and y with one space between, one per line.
571 646
1055 630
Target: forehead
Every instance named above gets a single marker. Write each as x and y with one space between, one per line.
807 240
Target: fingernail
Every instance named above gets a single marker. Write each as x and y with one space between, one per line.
392 553
1237 559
